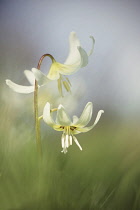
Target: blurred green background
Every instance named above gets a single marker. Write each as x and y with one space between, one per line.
106 174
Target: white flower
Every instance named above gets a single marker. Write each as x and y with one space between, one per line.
25 89
70 128
76 59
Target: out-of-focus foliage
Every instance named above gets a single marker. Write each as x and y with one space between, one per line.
105 175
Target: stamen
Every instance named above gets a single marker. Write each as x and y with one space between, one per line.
66 85
70 140
62 127
67 141
72 128
76 141
68 81
60 86
62 141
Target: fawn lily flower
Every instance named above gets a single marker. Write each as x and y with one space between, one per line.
77 58
70 128
25 89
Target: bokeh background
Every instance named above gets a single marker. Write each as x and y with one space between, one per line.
106 174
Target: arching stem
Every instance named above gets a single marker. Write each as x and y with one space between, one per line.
37 121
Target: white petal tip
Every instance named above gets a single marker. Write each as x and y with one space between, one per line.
60 106
72 33
47 103
34 69
90 103
7 81
19 88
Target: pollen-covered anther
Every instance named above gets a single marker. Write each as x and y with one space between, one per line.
72 128
62 127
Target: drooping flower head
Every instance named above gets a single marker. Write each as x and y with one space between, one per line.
70 128
77 58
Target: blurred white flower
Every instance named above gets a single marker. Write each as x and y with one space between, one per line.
70 128
77 58
20 88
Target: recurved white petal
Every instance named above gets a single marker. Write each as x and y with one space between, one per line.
80 129
73 56
40 77
47 115
68 69
76 59
84 57
19 88
62 117
74 67
30 76
85 116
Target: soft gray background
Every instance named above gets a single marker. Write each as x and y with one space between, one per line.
111 80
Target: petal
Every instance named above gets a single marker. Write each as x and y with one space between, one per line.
68 69
74 67
54 71
30 76
84 57
74 55
62 117
85 116
75 119
96 121
76 141
93 42
76 59
58 128
40 77
47 115
19 88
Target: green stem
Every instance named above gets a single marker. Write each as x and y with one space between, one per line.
37 121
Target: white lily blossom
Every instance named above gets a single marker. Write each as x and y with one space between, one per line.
77 58
70 128
25 89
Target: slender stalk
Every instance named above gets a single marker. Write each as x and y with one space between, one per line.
37 121
37 124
